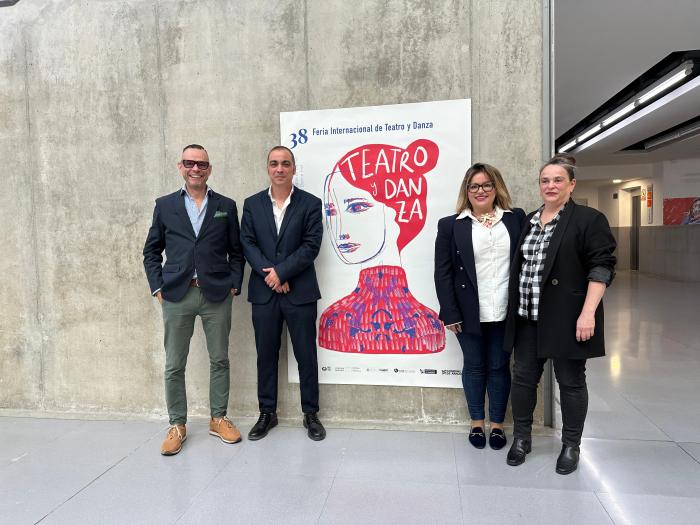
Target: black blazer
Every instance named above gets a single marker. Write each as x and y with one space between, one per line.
216 252
291 253
581 241
455 270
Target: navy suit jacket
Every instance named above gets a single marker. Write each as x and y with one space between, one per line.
291 253
455 270
216 252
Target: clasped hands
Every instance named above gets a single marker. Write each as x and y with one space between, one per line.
273 281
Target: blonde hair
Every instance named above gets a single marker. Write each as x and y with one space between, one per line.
502 199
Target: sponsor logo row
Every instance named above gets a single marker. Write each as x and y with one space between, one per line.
429 371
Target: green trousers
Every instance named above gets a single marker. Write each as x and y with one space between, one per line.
178 319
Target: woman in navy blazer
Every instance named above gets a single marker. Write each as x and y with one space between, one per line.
473 251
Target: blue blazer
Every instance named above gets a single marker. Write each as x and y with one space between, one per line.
216 252
455 270
291 253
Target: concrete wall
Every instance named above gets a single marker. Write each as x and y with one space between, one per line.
98 97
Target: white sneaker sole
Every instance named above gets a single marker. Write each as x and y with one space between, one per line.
212 433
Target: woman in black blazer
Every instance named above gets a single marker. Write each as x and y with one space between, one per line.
558 279
473 251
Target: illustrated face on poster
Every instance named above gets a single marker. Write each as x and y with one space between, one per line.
365 183
385 176
380 315
348 210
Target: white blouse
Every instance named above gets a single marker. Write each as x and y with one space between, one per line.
492 260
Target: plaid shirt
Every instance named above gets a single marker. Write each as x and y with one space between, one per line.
534 250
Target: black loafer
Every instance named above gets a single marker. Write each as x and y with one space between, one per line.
266 422
314 426
518 450
497 439
477 437
567 461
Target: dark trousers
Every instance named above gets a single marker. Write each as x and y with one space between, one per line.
527 370
486 369
301 323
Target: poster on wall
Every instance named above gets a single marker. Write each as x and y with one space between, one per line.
385 175
683 210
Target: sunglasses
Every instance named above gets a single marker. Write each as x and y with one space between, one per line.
201 164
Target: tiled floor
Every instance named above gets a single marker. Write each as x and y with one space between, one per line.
640 457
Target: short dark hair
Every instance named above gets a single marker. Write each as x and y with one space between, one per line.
284 148
193 146
566 162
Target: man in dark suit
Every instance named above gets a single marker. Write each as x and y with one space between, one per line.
281 233
199 233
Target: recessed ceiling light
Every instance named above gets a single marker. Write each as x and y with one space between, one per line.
617 181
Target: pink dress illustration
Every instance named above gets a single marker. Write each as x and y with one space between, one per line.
368 187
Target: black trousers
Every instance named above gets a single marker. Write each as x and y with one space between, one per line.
301 323
527 370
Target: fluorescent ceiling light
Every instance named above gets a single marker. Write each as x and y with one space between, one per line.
590 132
650 108
567 147
617 181
674 136
675 79
619 114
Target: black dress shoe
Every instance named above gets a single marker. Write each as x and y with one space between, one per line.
567 461
266 422
314 426
497 439
518 450
477 437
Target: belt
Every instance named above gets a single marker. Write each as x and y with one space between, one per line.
194 283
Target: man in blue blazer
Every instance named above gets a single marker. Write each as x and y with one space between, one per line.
198 230
281 233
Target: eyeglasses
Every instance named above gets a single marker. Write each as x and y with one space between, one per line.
201 164
486 186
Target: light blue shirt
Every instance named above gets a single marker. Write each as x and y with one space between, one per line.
196 215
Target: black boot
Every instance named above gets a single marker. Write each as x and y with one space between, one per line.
567 461
518 450
266 421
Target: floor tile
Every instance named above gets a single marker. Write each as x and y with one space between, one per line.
399 502
611 416
532 506
276 500
693 449
147 487
641 467
630 509
400 456
48 476
289 450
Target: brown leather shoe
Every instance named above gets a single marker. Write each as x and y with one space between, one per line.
223 428
177 434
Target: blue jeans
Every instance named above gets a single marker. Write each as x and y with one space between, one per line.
486 368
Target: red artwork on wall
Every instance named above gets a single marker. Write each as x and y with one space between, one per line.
683 210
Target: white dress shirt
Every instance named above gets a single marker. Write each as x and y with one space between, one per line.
492 260
279 212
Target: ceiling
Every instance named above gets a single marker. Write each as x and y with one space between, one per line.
600 47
